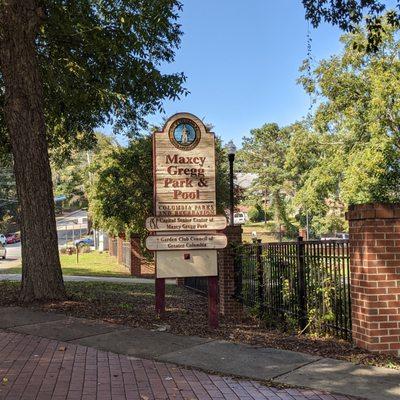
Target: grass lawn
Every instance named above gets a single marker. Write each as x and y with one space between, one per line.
264 231
90 264
186 314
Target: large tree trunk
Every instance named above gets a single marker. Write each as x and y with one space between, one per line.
24 116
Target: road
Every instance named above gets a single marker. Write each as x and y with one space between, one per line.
69 227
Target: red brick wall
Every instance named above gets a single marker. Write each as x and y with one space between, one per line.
140 267
110 246
136 256
120 242
227 304
375 276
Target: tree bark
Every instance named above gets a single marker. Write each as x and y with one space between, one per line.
25 122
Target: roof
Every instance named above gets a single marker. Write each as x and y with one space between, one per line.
245 180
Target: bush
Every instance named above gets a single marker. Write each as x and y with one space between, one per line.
68 250
256 214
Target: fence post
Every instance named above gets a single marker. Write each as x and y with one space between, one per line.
136 256
375 276
111 245
228 305
301 276
260 280
120 241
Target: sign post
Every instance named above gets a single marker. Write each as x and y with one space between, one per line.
184 228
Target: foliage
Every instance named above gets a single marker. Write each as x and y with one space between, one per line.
71 172
100 64
357 122
346 152
121 196
349 14
222 178
264 153
256 213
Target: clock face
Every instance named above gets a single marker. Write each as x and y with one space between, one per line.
184 134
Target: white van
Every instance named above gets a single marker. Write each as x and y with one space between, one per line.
3 239
239 218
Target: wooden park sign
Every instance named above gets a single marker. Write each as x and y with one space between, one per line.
184 168
184 226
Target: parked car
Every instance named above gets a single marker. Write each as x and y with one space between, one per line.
3 251
336 236
12 238
3 240
239 218
84 242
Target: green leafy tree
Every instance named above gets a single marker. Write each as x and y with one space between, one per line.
359 119
256 213
348 15
121 196
264 153
356 131
67 68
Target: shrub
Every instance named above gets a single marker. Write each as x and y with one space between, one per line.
256 214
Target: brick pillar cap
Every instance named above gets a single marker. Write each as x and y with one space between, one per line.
373 211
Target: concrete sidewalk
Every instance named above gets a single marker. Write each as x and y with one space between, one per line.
34 368
265 364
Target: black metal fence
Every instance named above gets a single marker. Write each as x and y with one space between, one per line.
126 254
197 284
305 284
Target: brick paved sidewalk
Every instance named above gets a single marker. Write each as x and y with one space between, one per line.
33 368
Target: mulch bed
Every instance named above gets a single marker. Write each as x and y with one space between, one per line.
186 314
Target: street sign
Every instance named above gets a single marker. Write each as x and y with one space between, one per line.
186 242
162 224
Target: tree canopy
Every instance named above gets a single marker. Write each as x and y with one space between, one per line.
349 14
100 63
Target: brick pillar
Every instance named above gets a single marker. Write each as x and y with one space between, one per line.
226 270
180 282
303 233
136 256
120 242
375 276
110 246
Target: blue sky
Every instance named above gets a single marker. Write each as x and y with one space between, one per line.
241 59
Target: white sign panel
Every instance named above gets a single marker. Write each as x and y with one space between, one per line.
160 224
186 242
180 264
